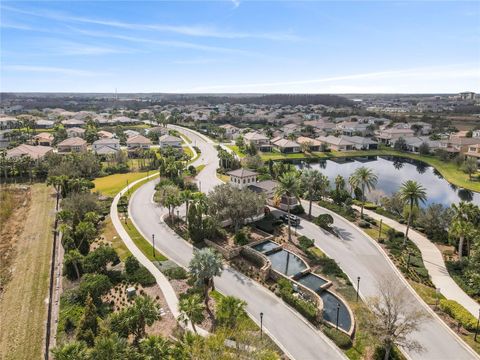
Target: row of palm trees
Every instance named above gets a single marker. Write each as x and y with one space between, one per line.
312 184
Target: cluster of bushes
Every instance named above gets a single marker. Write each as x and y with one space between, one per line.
176 273
344 210
241 238
459 270
305 243
340 339
306 308
268 223
325 221
297 210
459 313
136 273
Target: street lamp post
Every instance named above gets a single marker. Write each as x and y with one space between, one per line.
437 297
380 230
261 325
153 244
338 312
358 286
478 323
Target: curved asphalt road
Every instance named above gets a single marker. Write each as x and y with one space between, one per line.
358 255
295 335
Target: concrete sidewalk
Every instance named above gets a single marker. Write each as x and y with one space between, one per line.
165 286
433 260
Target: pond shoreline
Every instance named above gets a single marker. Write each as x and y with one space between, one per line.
449 171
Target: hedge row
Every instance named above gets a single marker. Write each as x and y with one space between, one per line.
304 307
459 313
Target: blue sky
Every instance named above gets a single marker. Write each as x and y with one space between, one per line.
241 46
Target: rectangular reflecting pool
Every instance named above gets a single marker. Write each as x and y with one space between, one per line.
286 262
312 281
265 246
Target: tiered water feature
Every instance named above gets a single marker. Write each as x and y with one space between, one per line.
294 268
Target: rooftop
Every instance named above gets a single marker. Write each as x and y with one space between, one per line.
242 173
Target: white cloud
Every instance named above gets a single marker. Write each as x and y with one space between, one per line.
403 80
236 3
188 30
50 69
167 43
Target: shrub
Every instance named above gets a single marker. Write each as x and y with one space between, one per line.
324 221
305 243
459 313
142 276
297 210
241 238
340 339
131 265
266 225
306 308
176 273
364 224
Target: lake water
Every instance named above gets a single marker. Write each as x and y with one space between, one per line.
392 172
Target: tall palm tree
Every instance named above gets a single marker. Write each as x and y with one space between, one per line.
313 184
288 186
204 266
191 308
339 182
462 226
364 178
412 193
187 196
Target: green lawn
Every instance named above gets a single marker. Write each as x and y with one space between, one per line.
110 185
236 150
448 170
142 243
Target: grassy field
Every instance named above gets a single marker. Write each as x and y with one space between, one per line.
110 185
23 309
448 170
110 234
142 243
237 150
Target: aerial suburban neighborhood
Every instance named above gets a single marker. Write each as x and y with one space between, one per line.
319 203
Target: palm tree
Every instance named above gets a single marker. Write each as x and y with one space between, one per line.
313 184
187 196
145 311
366 179
412 193
156 347
461 227
339 183
73 350
204 266
191 308
230 310
288 186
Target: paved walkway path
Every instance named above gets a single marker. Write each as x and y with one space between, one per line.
167 289
359 255
433 260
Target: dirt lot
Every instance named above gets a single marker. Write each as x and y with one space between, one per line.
28 233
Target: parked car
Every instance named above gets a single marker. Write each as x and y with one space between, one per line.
294 220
